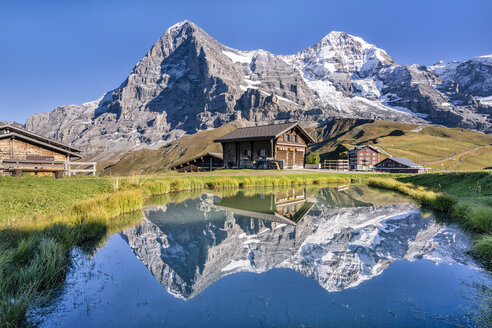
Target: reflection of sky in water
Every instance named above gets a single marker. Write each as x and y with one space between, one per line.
351 266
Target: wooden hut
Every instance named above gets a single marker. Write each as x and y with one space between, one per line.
205 162
257 146
24 151
399 165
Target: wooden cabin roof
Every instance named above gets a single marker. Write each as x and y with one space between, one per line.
403 161
263 132
7 131
216 155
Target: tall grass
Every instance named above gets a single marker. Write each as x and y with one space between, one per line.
437 201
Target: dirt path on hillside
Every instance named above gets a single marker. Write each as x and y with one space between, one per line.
456 155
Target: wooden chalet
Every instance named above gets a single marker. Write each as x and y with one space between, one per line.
399 165
259 146
22 151
205 162
363 158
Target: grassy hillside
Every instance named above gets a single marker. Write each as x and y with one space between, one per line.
148 161
437 147
432 146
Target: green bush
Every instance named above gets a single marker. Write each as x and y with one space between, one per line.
313 158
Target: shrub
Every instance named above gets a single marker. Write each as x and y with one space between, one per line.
312 158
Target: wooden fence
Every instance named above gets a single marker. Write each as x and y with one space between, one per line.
335 164
72 168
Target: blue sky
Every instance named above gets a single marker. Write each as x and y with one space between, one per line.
68 52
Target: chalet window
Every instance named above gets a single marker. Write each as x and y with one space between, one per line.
261 152
294 138
247 153
286 137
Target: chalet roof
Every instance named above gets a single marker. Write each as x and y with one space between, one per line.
216 155
404 161
262 132
7 131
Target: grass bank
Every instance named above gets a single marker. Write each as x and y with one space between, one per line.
466 198
42 220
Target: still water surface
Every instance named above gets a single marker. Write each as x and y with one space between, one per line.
346 257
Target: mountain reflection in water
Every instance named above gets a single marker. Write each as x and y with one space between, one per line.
337 238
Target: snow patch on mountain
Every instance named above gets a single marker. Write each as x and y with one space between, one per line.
240 56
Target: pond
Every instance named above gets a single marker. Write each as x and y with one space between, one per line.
346 256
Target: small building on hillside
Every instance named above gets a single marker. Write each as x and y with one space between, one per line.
260 146
22 151
363 158
202 163
399 165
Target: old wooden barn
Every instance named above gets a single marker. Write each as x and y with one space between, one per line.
22 151
205 162
259 146
399 165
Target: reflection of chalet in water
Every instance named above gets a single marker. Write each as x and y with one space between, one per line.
205 162
281 206
257 146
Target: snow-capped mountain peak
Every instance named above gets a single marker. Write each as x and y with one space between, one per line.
188 82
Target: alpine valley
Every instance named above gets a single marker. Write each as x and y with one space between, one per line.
188 82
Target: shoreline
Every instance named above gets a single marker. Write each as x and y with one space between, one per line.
35 251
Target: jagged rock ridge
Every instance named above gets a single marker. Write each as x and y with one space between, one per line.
188 82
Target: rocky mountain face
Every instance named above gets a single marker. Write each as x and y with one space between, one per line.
189 82
339 247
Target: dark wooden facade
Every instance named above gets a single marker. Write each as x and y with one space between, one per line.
22 151
255 147
202 163
399 165
363 158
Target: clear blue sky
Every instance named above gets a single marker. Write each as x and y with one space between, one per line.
69 52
